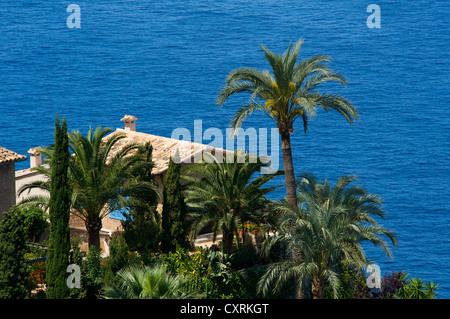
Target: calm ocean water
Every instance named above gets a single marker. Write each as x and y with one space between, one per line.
165 61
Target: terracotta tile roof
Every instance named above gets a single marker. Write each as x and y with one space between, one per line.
7 156
163 148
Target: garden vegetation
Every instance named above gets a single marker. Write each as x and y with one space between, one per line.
307 245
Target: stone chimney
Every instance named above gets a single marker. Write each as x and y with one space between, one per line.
35 157
130 122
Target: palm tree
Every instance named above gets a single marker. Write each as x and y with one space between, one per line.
144 282
101 181
225 193
416 288
325 230
288 93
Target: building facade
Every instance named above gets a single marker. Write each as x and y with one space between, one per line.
7 178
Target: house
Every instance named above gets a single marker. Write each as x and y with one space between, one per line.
28 175
7 177
163 148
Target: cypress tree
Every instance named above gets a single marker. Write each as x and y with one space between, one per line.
174 223
13 269
142 224
59 212
117 259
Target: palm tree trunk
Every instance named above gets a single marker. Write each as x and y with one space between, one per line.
298 288
317 289
228 242
289 169
297 258
93 230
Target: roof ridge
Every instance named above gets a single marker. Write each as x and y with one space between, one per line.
7 156
163 147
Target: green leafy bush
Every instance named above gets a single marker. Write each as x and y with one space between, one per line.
150 282
244 256
396 285
416 288
92 274
118 258
13 270
35 222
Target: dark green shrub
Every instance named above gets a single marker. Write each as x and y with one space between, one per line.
174 223
35 222
92 274
13 269
142 224
244 256
141 231
118 258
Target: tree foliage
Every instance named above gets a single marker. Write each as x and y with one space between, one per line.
59 212
102 176
226 194
13 269
92 274
149 282
35 222
174 212
289 91
118 258
325 230
142 221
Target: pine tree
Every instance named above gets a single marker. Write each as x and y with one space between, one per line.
59 212
174 223
13 269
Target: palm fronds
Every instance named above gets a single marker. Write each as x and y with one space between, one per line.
225 193
145 282
326 229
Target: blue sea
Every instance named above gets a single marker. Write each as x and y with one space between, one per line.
165 61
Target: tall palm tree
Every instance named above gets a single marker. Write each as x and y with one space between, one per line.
101 181
326 229
145 282
287 93
225 193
